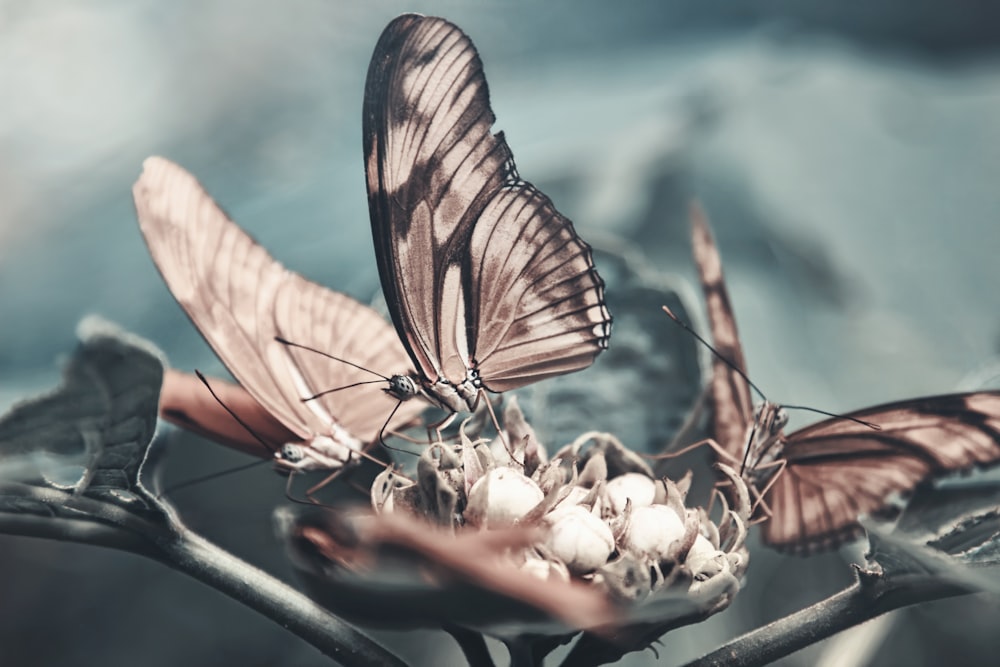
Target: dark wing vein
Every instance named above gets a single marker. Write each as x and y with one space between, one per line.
838 470
430 156
536 298
240 298
461 242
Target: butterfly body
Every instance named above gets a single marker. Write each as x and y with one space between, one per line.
461 397
765 443
323 452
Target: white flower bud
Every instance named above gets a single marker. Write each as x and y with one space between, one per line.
501 497
579 539
704 560
633 486
545 569
652 531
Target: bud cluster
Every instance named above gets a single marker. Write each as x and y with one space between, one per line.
602 517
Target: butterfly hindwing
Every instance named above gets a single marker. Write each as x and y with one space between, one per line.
479 269
839 469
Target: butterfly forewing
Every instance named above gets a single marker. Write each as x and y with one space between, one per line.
240 299
732 404
479 269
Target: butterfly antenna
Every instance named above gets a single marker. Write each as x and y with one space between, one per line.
871 425
271 449
246 427
285 341
684 325
381 433
214 475
746 450
330 391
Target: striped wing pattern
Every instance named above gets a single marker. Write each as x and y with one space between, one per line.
837 470
732 404
240 298
479 269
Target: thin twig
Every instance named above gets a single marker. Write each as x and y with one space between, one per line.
872 595
99 523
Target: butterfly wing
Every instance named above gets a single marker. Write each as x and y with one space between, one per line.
185 402
838 469
732 404
240 299
477 266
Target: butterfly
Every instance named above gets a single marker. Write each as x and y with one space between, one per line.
242 301
488 285
817 481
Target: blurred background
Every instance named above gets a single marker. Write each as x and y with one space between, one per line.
846 153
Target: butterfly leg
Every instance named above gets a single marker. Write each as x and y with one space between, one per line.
481 396
382 432
780 464
691 421
436 428
326 480
707 442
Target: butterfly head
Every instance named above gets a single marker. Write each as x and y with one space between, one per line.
402 387
289 457
765 434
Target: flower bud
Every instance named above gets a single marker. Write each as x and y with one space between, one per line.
704 560
652 531
579 539
633 486
547 570
501 497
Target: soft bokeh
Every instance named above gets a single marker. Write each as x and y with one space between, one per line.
847 156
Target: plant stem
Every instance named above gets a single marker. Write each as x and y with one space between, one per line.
94 522
871 596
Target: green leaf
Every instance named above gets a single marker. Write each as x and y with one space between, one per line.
76 452
951 532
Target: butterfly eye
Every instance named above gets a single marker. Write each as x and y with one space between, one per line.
292 453
780 420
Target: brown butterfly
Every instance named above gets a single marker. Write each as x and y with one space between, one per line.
488 285
817 481
242 300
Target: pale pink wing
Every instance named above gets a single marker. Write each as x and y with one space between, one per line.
732 403
185 402
240 299
838 470
479 270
